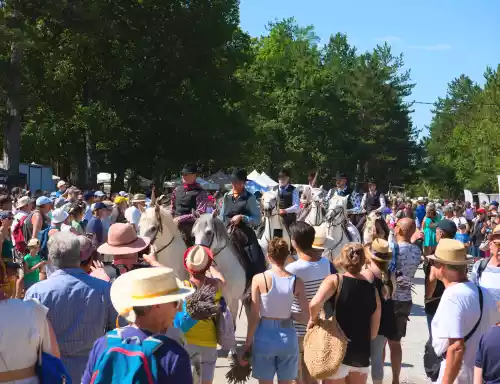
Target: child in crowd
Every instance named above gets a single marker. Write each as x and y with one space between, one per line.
32 264
462 235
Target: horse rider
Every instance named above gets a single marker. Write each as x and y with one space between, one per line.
373 200
342 189
185 199
239 208
288 196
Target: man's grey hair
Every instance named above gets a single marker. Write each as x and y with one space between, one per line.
64 250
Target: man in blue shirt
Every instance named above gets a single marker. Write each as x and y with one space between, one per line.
79 305
148 298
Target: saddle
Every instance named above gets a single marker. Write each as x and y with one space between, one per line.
249 253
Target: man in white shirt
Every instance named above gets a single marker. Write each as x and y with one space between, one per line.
312 268
459 322
134 212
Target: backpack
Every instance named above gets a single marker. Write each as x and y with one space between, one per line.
43 238
482 266
128 360
19 236
224 326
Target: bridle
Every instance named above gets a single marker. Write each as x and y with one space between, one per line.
216 252
159 230
330 219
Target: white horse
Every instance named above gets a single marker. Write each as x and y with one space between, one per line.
157 224
375 227
273 221
210 232
315 215
338 226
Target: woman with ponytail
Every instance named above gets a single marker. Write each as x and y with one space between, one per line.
357 312
377 272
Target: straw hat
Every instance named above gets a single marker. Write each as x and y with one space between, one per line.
23 202
123 240
33 243
452 252
144 287
139 198
495 237
59 215
321 241
198 259
380 250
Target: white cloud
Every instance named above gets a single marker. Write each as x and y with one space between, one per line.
435 47
387 39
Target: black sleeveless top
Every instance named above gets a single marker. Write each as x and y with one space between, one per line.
387 317
355 307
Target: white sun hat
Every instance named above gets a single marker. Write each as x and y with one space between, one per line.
144 287
59 215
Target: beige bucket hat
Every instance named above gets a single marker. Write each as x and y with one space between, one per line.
452 252
321 240
144 287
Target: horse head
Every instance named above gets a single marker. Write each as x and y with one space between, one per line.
337 210
209 231
157 224
270 203
375 227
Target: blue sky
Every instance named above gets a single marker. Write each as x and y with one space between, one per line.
440 39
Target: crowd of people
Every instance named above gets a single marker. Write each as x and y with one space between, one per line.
76 273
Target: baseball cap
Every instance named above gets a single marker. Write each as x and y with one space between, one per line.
6 215
447 226
99 193
99 205
481 210
43 200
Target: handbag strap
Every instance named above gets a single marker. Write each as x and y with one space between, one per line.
335 296
469 335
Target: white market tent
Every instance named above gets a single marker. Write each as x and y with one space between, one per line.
269 182
255 176
204 184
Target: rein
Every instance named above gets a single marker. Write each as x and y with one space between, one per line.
160 230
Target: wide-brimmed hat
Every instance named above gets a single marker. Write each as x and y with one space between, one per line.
372 180
321 240
379 249
420 199
283 173
341 175
23 202
198 259
145 287
123 240
33 243
495 236
189 169
453 252
139 198
239 175
59 215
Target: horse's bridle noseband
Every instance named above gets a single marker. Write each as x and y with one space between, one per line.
160 230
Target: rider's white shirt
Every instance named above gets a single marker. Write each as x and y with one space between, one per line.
133 215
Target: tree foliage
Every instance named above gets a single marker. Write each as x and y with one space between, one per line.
462 146
147 85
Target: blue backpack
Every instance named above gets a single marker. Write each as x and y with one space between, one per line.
128 360
43 238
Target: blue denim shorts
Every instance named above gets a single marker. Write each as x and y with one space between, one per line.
275 350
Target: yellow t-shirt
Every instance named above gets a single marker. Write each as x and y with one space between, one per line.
203 334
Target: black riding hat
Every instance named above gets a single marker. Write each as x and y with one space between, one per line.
239 175
341 175
372 180
189 169
284 173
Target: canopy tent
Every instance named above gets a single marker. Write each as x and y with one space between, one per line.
267 180
105 178
219 178
255 176
253 187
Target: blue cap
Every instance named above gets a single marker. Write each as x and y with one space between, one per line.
43 200
6 215
99 205
494 203
99 193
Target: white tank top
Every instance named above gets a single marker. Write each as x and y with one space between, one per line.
277 302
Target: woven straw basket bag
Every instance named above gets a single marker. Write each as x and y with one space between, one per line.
325 345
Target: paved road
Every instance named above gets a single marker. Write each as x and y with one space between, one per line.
413 344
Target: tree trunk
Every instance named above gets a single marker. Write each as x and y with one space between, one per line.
12 130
